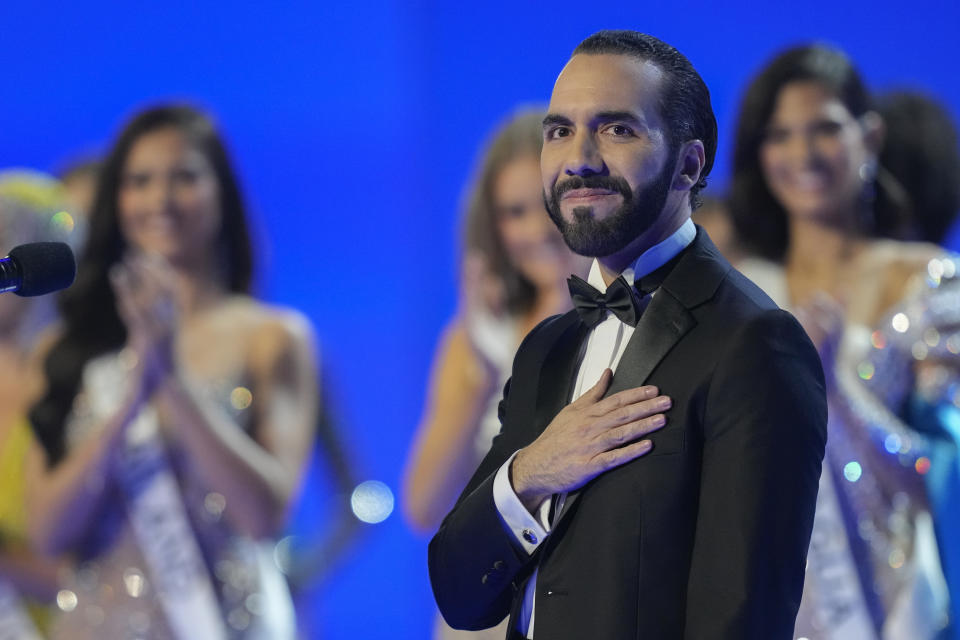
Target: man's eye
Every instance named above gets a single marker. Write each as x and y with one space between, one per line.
620 130
558 132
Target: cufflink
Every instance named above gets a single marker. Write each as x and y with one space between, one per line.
529 536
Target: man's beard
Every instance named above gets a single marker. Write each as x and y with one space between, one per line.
588 236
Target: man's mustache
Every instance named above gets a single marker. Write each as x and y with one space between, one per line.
609 183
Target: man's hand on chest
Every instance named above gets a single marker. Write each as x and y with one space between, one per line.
588 437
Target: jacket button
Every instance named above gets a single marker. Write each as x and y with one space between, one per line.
484 579
529 536
499 565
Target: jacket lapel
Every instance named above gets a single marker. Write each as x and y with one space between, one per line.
662 325
559 371
692 281
665 321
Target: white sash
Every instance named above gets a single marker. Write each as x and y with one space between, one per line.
165 537
154 504
840 606
15 624
921 610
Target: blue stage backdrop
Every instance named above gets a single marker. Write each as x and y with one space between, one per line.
354 127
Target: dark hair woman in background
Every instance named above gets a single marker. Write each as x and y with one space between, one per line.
178 410
921 149
812 201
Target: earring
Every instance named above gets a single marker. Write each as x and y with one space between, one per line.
868 175
868 195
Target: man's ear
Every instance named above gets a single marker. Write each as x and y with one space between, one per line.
690 162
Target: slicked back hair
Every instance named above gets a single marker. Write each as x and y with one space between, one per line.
684 100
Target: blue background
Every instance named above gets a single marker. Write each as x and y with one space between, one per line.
354 130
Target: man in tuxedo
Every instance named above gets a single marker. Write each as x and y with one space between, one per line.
656 471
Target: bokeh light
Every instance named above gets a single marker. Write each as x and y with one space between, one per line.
852 471
900 323
63 222
892 443
66 600
241 398
372 501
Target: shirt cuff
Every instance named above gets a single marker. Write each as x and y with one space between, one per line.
528 531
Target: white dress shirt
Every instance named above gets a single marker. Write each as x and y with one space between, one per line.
605 346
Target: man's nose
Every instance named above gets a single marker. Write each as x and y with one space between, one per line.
585 157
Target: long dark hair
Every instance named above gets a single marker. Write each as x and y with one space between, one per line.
760 220
91 324
922 149
685 100
520 136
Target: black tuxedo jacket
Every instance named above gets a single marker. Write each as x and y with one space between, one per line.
705 536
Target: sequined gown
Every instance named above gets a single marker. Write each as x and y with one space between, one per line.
109 593
874 569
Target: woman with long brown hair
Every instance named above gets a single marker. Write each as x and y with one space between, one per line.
178 410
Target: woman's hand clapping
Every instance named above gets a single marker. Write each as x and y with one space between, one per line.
145 289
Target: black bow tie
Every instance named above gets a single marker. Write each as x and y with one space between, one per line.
620 299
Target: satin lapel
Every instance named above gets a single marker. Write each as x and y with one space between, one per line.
559 372
661 326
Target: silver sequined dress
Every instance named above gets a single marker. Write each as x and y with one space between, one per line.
108 592
873 568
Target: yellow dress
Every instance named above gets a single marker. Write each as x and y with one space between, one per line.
13 516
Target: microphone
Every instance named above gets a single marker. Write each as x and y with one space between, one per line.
37 268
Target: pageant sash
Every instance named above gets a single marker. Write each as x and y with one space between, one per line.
15 624
154 503
840 608
165 537
920 611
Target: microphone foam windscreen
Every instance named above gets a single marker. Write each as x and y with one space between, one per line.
44 267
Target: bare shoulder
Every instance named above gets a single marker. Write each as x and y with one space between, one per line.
452 348
456 364
893 256
270 331
900 268
454 337
44 342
